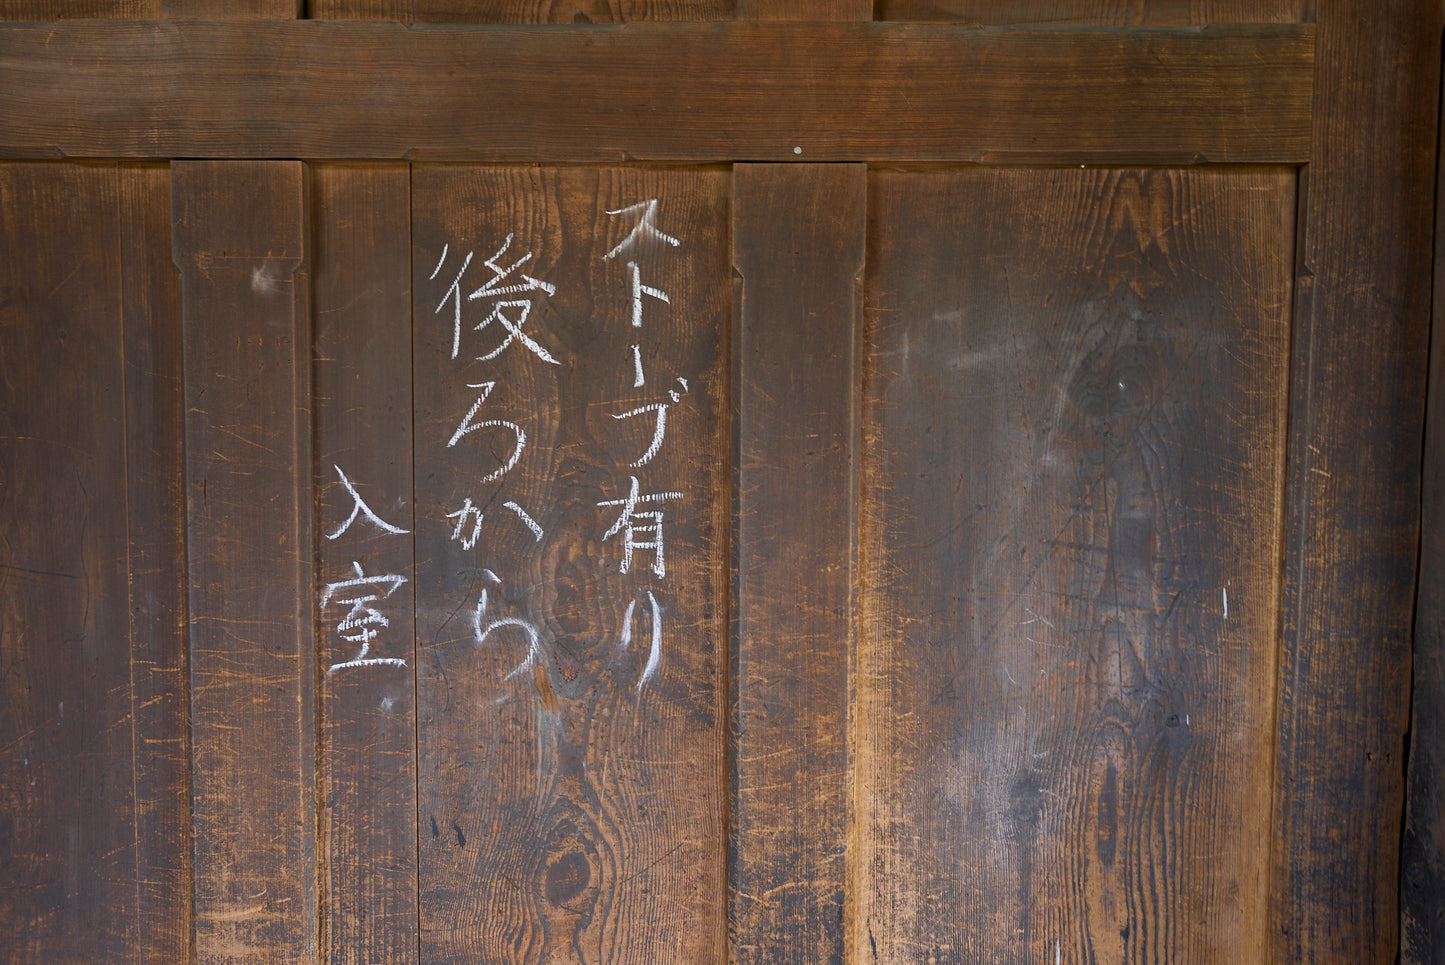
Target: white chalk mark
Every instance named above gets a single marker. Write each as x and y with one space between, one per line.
646 226
534 643
529 521
1010 676
657 433
638 379
1057 953
454 295
468 511
490 288
638 290
262 283
361 618
514 331
654 657
446 247
367 662
684 383
359 507
625 639
387 703
1225 592
467 425
631 523
1042 620
492 576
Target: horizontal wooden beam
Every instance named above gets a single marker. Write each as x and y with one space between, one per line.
656 92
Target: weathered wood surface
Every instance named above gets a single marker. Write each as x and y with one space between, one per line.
70 803
157 577
239 242
1114 13
45 11
1422 859
571 720
522 11
811 92
1357 398
798 258
362 305
1074 406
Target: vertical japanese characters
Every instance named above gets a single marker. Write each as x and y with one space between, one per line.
493 308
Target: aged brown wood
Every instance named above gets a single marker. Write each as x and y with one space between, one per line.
1074 406
798 256
1422 859
68 802
44 11
655 92
239 241
1362 318
572 790
522 11
362 306
155 499
1121 13
805 11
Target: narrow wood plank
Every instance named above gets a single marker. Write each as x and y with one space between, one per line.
810 92
798 252
1355 436
362 301
1422 859
239 240
1113 13
1074 424
571 670
67 805
233 9
48 11
154 420
522 11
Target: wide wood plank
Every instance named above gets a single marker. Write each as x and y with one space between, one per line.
571 531
810 92
1074 408
798 254
67 803
154 419
240 245
1356 427
362 302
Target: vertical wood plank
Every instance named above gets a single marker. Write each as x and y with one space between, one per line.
67 804
798 235
1074 411
570 699
1355 435
239 240
156 539
362 303
1422 859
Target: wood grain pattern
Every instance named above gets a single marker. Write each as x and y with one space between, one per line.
47 11
1114 13
362 302
1072 497
522 11
160 712
699 92
571 724
798 255
67 804
239 240
1422 858
805 11
1356 428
